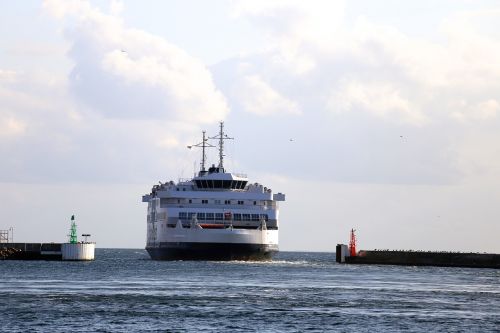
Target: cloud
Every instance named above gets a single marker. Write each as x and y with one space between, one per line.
483 111
11 127
7 76
114 117
121 72
381 99
261 99
362 85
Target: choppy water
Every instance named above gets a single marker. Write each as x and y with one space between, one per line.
124 291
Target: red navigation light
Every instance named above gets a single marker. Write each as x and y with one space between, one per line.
352 244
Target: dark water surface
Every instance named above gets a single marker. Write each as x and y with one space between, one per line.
124 291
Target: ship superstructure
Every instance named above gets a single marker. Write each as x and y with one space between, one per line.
216 215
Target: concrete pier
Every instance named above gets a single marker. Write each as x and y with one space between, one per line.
420 258
47 251
30 251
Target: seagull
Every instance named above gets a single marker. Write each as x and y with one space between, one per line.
124 51
291 139
189 147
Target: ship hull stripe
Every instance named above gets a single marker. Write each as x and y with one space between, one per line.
212 251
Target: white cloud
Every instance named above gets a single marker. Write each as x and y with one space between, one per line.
488 109
261 99
168 142
129 73
115 112
290 25
483 111
11 127
380 99
293 19
7 76
116 7
382 84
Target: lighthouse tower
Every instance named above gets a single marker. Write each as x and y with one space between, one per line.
75 250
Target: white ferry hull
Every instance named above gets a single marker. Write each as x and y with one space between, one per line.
220 244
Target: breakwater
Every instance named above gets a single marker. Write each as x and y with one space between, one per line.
421 258
30 251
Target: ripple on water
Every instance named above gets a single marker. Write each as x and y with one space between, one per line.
124 291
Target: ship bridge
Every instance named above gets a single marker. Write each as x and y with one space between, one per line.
217 178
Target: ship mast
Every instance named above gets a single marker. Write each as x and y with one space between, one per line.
203 144
221 137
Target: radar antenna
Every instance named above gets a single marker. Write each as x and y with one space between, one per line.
204 144
221 137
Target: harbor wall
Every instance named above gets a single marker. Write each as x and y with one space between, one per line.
30 251
425 258
47 251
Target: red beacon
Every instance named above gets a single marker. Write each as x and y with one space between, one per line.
352 244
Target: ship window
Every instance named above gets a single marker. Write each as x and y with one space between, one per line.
255 217
198 183
218 216
226 183
178 201
227 202
201 216
177 189
190 201
210 216
204 183
237 217
254 203
246 217
217 183
183 188
264 217
240 202
204 201
183 215
190 215
217 202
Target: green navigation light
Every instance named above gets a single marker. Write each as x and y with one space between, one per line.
72 237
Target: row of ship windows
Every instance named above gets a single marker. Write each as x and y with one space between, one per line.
221 184
219 202
221 216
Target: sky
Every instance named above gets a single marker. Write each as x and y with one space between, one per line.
380 116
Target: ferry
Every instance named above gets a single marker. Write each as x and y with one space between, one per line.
216 215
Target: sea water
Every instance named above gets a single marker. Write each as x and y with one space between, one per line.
125 291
